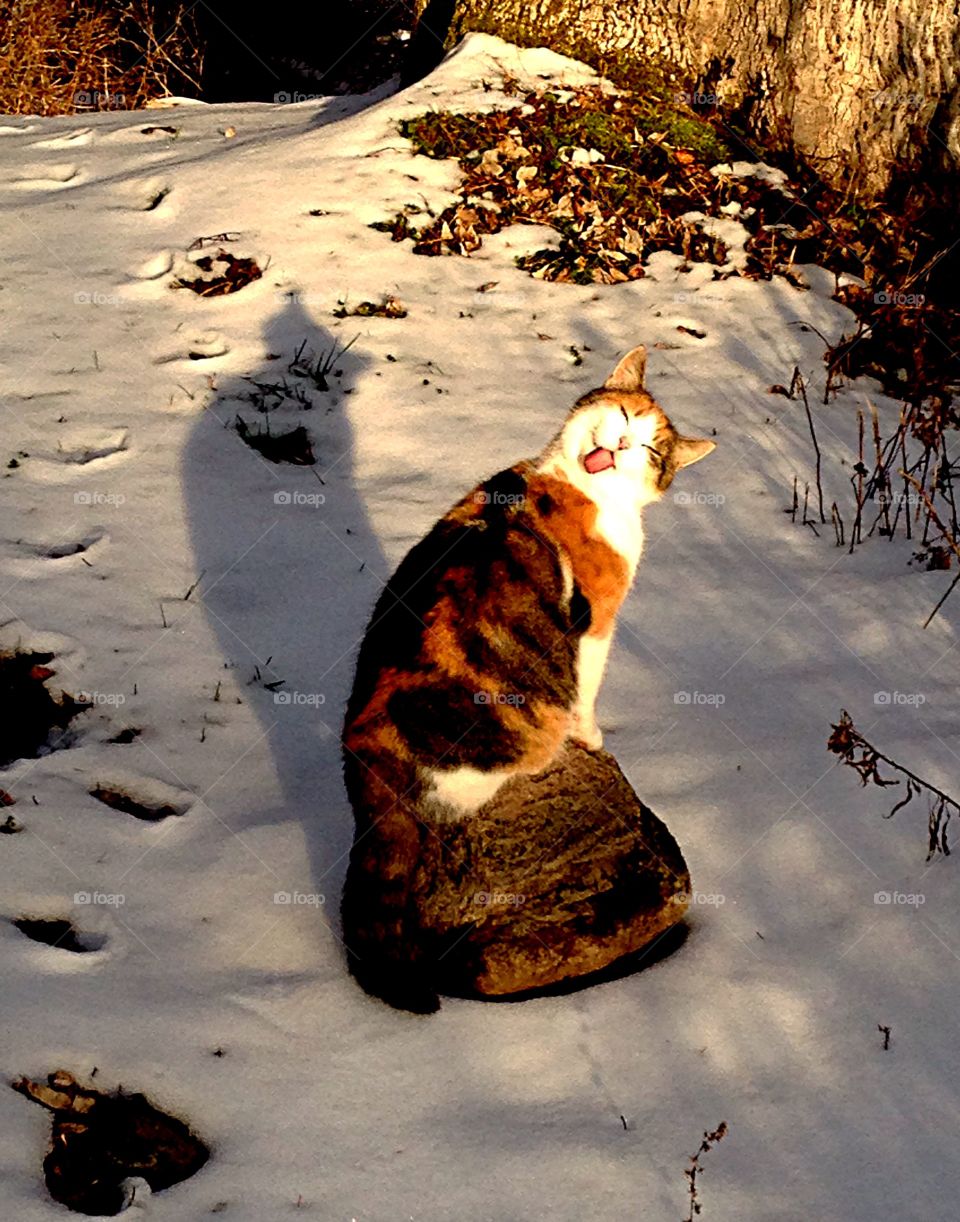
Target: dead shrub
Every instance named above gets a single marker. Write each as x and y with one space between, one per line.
61 56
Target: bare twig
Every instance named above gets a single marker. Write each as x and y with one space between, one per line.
849 744
694 1171
798 380
948 538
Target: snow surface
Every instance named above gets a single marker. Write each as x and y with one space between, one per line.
325 1103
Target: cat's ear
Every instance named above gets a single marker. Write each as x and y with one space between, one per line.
629 373
690 450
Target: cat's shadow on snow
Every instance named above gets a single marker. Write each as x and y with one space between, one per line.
291 571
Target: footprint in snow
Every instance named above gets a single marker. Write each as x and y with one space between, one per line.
60 934
203 347
47 177
146 195
144 799
74 139
72 547
56 555
79 453
156 267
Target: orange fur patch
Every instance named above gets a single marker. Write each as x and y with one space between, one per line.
569 518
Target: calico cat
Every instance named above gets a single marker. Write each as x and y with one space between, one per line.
486 651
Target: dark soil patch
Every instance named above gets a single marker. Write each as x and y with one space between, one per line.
99 1140
127 735
292 446
30 717
61 934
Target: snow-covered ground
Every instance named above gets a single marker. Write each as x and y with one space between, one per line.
235 1011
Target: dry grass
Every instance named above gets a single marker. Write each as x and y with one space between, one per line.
61 56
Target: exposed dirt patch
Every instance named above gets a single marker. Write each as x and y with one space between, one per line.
292 446
125 736
99 1140
31 718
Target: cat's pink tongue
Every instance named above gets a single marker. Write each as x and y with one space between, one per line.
598 460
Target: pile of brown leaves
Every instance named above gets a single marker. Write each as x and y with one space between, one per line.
612 205
620 175
221 274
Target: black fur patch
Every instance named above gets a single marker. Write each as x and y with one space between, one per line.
503 494
581 615
449 727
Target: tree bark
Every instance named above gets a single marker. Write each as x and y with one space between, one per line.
861 90
559 876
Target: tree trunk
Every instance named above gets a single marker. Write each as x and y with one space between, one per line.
862 90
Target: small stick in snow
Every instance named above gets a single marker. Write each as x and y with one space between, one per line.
806 520
798 378
695 1170
906 498
885 1032
880 481
933 516
856 532
943 598
837 523
792 511
194 586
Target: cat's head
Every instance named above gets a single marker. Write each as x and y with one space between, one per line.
617 442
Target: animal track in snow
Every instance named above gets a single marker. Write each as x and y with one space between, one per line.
61 934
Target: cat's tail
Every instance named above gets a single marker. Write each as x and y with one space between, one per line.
381 929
